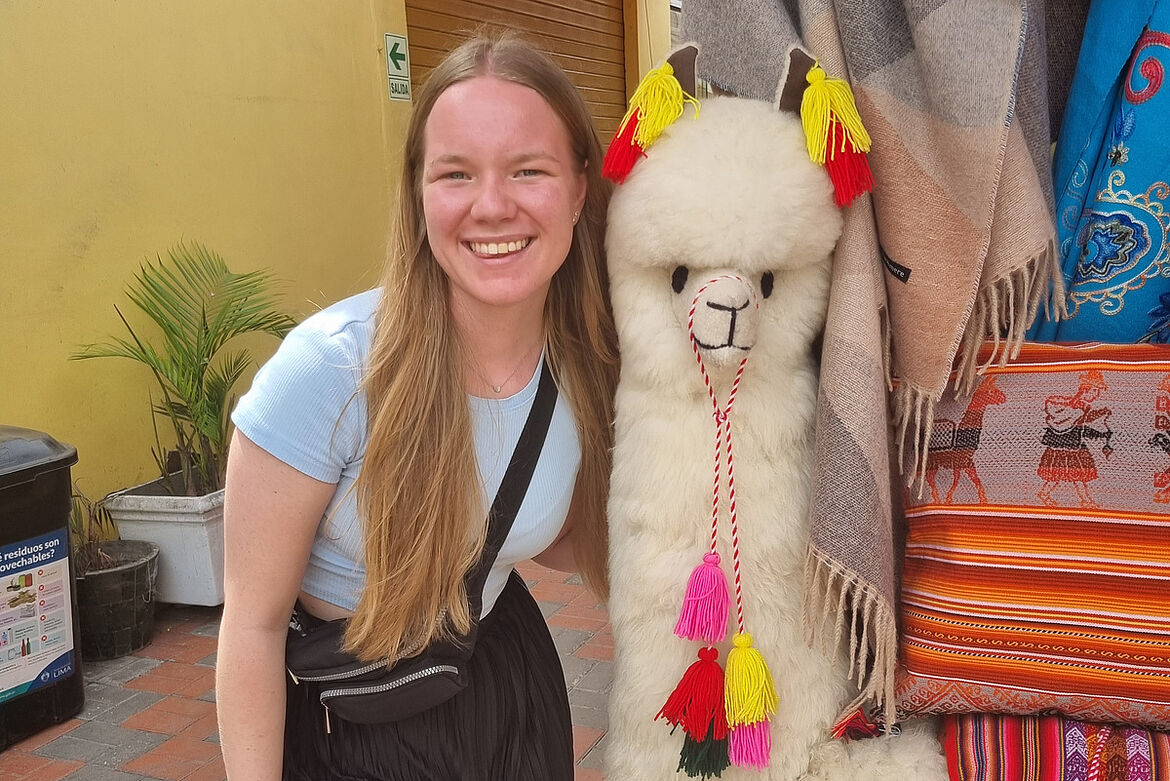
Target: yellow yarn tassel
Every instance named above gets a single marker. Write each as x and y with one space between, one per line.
658 101
827 100
749 693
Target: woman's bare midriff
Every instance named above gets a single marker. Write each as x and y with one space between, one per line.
326 611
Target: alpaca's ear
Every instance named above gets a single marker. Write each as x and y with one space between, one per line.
792 81
682 60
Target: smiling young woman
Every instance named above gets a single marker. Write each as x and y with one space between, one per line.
369 449
500 188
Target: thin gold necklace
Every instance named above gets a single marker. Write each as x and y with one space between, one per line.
498 388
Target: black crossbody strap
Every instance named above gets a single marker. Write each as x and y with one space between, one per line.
515 484
313 647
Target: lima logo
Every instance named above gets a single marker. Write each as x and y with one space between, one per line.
45 676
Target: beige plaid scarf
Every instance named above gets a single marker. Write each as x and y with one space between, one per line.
954 246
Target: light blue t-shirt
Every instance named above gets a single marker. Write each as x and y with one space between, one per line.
305 408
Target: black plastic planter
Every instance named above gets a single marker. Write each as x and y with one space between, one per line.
116 605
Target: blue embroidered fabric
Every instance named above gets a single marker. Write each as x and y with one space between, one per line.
1111 171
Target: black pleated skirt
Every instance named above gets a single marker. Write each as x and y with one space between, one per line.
511 722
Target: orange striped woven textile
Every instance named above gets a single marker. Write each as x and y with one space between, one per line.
1037 564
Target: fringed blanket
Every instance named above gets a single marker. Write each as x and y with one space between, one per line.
956 244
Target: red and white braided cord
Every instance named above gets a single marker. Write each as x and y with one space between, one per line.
722 429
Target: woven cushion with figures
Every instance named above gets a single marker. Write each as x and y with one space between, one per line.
1037 563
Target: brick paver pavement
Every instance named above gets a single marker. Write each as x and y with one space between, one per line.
151 715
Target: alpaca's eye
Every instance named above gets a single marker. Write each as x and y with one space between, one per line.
766 282
678 280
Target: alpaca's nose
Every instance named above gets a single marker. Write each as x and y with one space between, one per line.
723 319
728 308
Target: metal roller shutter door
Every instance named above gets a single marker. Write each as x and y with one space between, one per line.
588 38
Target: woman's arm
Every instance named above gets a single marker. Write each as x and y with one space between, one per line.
271 514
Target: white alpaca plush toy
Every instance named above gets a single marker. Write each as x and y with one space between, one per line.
719 243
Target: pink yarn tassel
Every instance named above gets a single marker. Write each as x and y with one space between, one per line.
704 610
749 745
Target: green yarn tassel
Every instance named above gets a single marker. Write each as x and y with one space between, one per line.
705 758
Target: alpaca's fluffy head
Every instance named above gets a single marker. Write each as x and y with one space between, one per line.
728 203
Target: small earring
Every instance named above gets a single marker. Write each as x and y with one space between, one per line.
575 216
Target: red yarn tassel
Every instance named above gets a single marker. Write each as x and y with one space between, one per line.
697 702
623 152
855 725
847 166
705 604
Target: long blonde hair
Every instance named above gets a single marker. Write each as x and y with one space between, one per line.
419 492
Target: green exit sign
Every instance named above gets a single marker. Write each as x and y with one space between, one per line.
398 67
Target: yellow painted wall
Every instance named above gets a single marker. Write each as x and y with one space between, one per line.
260 129
653 33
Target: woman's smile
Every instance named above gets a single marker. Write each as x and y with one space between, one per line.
498 248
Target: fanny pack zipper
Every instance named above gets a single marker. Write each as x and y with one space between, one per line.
369 668
439 668
382 687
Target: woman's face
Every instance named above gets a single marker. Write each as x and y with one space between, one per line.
500 190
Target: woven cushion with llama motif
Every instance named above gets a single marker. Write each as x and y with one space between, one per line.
1037 563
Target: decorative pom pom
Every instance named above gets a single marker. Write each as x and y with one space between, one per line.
835 134
826 101
706 758
659 101
656 103
697 702
855 725
750 745
622 153
749 692
705 604
848 168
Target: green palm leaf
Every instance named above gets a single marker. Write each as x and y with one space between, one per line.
198 306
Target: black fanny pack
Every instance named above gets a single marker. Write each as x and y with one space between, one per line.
381 691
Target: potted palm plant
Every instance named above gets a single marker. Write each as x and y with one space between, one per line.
198 306
116 582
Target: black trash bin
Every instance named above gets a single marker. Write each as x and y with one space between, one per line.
40 669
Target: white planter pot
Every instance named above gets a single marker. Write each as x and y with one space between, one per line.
189 533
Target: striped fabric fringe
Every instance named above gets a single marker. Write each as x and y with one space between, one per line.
1002 313
834 592
1000 317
